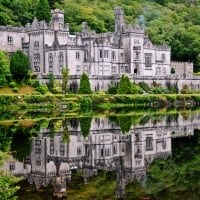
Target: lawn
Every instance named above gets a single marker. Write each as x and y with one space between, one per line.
22 90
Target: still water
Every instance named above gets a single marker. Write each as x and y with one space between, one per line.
145 156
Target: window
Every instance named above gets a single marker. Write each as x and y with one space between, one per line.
114 149
78 69
100 54
77 55
51 149
164 144
62 151
121 56
60 57
86 55
36 57
37 142
38 150
38 162
36 67
12 166
79 151
107 152
36 45
50 57
50 68
158 71
60 69
102 152
137 55
113 55
163 57
105 53
87 69
148 60
164 71
149 143
114 71
10 40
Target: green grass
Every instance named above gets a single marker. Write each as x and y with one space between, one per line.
22 90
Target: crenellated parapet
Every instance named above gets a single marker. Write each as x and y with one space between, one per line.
163 47
10 28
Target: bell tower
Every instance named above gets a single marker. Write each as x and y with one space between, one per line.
57 19
119 20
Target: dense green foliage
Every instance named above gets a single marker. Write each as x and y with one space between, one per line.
4 68
43 11
85 124
65 78
84 85
124 85
19 66
174 22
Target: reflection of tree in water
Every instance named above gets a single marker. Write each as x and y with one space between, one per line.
74 123
5 139
178 175
85 123
21 142
172 117
125 123
66 132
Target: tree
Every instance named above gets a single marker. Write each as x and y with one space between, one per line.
4 68
125 123
85 124
84 85
19 66
50 84
43 11
124 86
65 78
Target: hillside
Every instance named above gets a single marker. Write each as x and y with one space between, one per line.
174 22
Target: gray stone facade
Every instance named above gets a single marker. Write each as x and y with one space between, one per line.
103 56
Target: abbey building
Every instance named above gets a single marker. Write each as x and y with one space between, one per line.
103 56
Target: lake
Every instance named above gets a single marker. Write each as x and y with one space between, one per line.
152 155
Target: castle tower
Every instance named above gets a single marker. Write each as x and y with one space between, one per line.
119 20
57 19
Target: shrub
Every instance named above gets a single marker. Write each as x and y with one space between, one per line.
185 90
86 104
15 89
124 85
43 89
12 84
136 89
36 84
19 66
144 86
2 80
113 89
84 85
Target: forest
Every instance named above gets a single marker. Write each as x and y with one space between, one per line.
173 22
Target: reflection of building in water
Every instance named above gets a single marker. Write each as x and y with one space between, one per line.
105 148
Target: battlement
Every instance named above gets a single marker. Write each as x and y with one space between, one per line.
162 47
119 11
10 28
56 11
